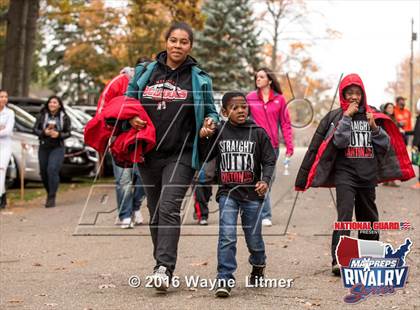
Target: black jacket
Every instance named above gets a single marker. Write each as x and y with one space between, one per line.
416 140
168 100
63 127
322 153
244 157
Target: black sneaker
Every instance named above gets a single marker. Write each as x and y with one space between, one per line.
223 290
50 202
257 274
3 201
336 270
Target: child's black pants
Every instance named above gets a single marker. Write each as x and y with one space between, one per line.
362 200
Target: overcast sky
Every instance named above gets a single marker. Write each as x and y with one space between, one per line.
375 39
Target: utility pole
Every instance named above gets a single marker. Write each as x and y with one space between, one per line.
413 38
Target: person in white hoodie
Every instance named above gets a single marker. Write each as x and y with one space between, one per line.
7 122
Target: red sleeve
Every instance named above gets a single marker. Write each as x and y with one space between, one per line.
116 87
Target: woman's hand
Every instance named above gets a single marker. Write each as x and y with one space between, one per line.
137 123
54 134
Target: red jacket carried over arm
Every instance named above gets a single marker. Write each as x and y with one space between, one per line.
129 145
116 87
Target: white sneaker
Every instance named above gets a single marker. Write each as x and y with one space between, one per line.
137 218
266 222
160 279
126 223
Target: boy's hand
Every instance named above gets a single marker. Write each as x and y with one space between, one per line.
204 133
353 108
371 121
137 123
261 188
208 128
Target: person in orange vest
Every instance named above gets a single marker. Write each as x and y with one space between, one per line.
403 117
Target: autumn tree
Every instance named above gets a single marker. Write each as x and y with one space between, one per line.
228 47
282 19
401 85
147 22
92 42
19 44
4 5
84 52
299 78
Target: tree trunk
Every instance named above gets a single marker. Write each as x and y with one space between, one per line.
275 45
31 28
19 47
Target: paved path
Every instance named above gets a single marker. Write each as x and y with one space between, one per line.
73 257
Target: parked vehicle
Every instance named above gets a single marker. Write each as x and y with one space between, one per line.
88 109
79 160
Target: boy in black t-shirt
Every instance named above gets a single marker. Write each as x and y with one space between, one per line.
245 163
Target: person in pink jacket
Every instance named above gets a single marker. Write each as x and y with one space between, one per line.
269 110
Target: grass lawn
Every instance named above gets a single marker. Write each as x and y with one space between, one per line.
35 189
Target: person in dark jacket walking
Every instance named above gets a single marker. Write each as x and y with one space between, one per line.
178 97
416 141
388 109
352 151
245 161
52 126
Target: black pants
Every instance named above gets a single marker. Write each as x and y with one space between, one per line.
203 194
50 162
363 201
165 182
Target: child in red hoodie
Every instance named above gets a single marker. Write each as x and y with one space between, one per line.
352 151
358 138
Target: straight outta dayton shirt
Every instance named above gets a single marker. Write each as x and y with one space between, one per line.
244 157
356 165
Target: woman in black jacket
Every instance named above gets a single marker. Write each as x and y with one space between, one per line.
52 127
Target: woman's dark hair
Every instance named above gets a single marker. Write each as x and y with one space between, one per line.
182 26
386 105
45 108
275 85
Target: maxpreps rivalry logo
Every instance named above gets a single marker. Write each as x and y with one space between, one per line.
371 267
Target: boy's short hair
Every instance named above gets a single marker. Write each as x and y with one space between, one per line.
229 95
